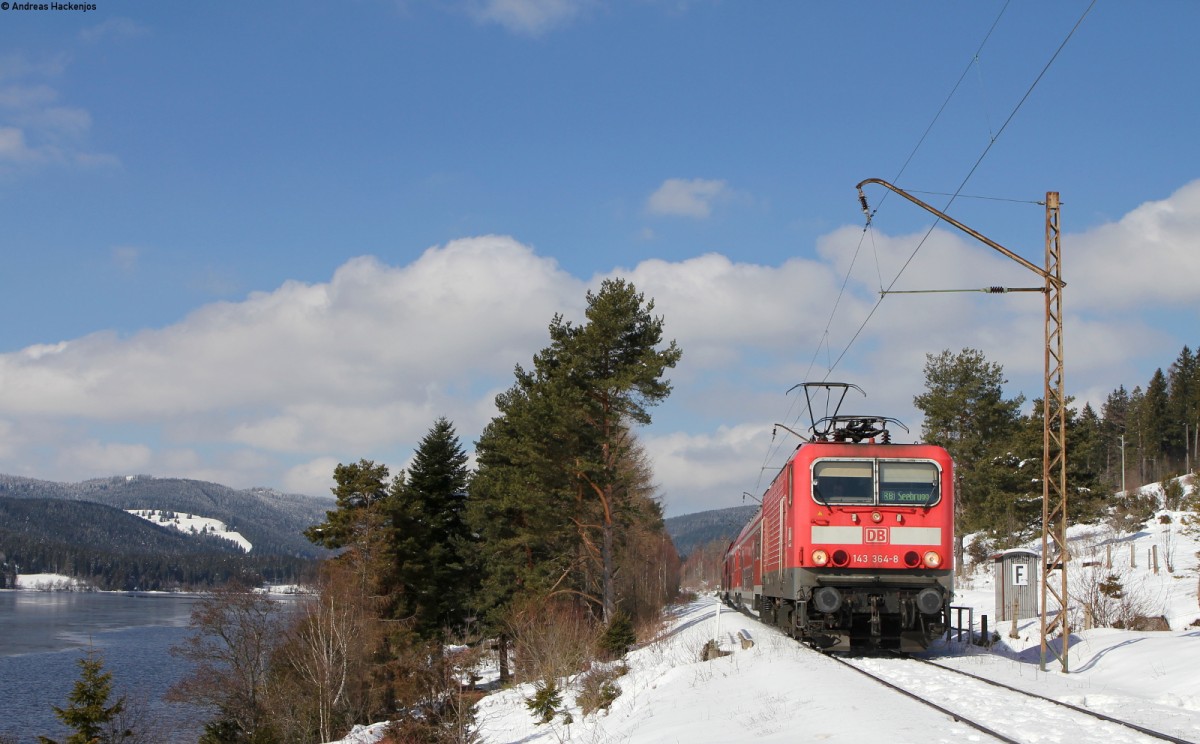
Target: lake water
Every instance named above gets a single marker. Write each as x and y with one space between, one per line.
44 634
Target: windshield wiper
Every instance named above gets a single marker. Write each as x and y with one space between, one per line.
933 492
817 495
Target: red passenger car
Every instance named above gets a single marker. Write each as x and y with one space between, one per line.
852 547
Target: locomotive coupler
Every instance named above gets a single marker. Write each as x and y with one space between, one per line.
875 623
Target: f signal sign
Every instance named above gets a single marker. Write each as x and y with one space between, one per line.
876 534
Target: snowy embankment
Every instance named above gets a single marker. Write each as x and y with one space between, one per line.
778 691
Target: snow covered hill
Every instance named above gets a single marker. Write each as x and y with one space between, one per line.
192 524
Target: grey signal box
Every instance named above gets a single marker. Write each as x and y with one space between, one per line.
1017 577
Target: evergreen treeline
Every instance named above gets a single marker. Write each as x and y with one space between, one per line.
113 550
998 449
1160 424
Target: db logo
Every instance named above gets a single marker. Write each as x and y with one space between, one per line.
876 534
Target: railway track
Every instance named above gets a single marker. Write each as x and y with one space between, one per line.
1010 713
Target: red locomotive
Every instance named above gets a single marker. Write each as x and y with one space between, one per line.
852 547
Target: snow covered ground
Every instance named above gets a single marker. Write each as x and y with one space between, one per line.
777 691
49 582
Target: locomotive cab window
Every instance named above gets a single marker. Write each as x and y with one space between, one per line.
844 482
897 483
908 484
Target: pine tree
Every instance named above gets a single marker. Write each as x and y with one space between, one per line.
88 711
1181 410
966 412
1152 415
561 480
521 505
1009 503
1114 416
612 370
359 520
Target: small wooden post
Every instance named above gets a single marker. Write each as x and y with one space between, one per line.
1154 557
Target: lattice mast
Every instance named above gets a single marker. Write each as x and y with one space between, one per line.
1054 453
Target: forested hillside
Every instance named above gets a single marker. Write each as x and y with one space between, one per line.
111 549
273 522
690 531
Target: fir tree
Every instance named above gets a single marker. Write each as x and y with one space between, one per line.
432 546
88 711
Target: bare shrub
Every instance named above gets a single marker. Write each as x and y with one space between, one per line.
1166 544
322 659
551 639
235 633
598 688
1106 599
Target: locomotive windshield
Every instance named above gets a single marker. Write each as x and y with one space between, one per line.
844 482
858 481
908 483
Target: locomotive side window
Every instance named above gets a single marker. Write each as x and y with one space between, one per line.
908 483
844 482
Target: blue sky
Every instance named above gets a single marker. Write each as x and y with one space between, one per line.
244 242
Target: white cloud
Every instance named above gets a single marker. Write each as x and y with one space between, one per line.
13 147
114 28
528 17
126 258
374 333
313 477
686 198
35 129
1149 256
279 387
106 457
359 366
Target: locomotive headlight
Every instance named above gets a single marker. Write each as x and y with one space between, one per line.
820 557
933 559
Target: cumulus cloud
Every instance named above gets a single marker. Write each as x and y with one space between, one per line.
339 369
1158 238
528 17
279 387
680 197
